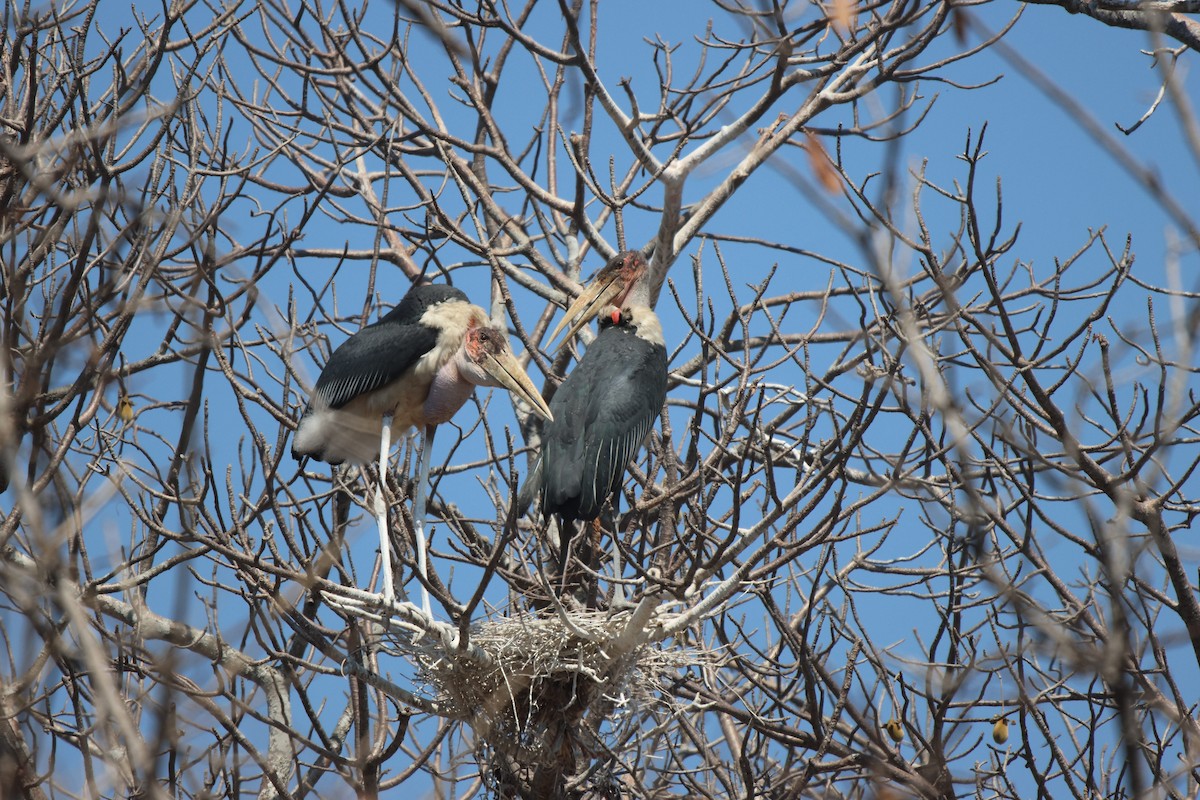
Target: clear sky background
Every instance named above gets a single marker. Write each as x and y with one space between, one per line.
1058 183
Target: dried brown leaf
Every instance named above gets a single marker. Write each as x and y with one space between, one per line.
822 164
843 15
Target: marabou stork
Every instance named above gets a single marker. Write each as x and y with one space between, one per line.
606 406
415 366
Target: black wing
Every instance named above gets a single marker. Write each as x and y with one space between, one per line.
602 413
372 358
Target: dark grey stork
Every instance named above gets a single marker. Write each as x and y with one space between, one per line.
606 406
415 366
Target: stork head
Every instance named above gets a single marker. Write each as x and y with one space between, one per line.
486 360
612 286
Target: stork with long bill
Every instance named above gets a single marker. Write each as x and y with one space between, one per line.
415 366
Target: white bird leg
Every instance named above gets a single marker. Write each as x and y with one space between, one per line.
419 511
385 539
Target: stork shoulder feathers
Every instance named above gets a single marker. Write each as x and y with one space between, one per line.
369 360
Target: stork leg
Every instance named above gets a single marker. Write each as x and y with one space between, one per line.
385 540
419 512
618 570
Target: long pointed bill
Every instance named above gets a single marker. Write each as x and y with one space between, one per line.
505 368
591 301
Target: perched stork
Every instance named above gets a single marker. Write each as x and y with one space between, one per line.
416 366
606 406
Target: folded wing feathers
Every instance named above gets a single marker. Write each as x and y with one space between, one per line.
339 392
372 358
620 453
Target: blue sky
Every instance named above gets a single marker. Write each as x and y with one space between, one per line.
1057 183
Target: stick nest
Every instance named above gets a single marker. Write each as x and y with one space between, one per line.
548 687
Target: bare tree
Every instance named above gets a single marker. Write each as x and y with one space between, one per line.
911 523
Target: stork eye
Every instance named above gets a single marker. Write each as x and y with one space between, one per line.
490 340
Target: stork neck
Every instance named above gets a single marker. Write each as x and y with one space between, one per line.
447 393
638 295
